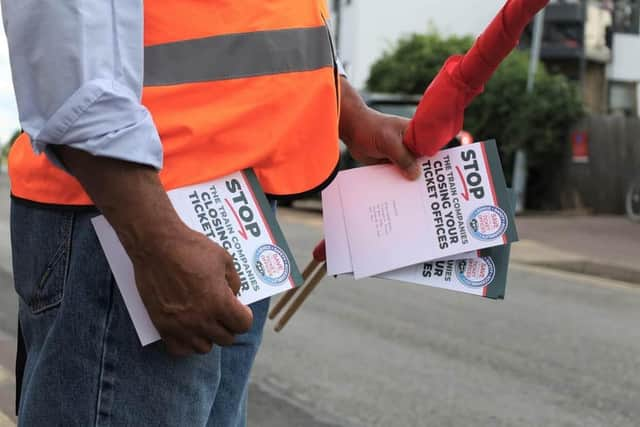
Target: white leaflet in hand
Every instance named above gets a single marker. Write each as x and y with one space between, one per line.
122 269
449 274
335 233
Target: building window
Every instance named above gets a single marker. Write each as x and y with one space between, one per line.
623 98
626 16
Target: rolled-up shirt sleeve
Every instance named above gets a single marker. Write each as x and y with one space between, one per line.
77 71
341 70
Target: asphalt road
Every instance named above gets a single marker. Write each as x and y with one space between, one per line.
561 350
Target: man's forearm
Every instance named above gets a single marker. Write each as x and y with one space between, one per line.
129 195
373 137
352 109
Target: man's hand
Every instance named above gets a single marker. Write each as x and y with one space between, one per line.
189 285
373 137
187 282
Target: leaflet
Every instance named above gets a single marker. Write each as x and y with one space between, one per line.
233 212
483 275
459 205
335 233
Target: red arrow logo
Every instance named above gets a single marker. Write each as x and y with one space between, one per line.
465 194
241 230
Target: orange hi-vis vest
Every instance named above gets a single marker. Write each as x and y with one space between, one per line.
230 85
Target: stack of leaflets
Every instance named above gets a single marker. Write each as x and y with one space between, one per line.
449 229
231 211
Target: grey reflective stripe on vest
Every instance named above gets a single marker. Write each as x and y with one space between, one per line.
237 55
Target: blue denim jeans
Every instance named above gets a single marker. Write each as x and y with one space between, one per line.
85 365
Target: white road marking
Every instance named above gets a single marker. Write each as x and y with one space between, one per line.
6 376
5 421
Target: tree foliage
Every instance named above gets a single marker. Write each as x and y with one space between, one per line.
538 122
413 62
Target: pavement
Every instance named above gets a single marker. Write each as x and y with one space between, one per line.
604 245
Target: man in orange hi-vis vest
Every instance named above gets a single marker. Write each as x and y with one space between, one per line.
120 102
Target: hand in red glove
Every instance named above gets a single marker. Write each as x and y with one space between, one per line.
440 114
320 252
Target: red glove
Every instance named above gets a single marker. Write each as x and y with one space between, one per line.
320 252
440 114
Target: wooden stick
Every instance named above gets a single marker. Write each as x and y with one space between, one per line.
284 299
306 291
